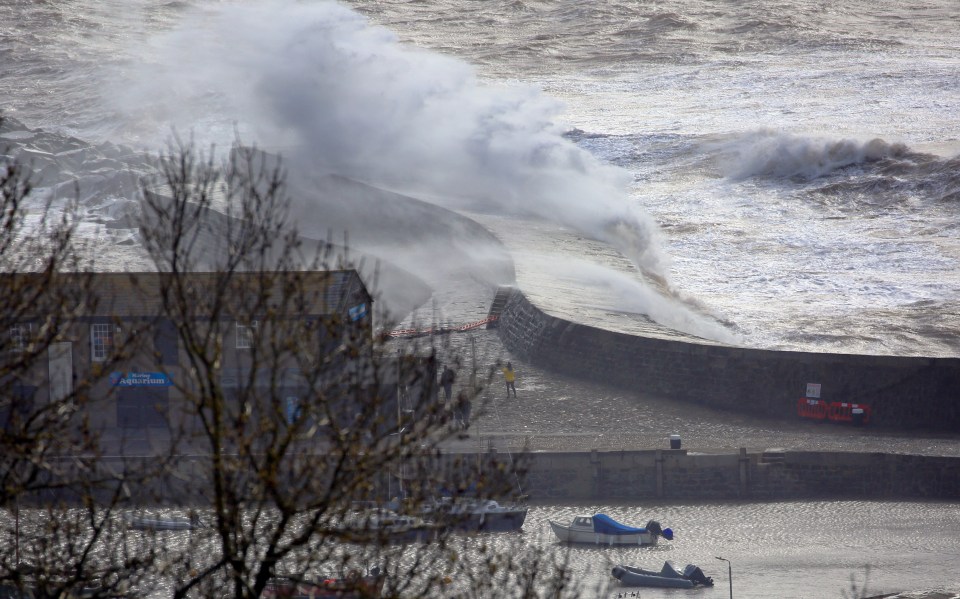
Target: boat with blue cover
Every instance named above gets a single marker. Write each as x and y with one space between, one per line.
601 529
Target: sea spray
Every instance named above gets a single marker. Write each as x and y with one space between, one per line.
340 96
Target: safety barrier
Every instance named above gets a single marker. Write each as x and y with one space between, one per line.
441 330
816 409
849 412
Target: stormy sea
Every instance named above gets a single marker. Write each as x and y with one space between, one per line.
771 174
787 171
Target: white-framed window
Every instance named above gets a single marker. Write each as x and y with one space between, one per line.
19 337
245 333
101 341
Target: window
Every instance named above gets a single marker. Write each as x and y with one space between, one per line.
101 341
245 334
19 337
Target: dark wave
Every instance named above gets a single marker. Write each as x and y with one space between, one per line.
908 175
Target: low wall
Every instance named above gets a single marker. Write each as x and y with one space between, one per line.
594 476
677 475
904 392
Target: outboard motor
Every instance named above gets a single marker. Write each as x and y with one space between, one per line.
654 527
696 575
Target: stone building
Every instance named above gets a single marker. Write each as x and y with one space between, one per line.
118 343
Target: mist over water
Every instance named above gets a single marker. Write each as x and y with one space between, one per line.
338 95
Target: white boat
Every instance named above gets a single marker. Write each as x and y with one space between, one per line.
476 515
600 529
145 523
383 525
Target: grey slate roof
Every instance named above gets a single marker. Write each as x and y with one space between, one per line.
121 294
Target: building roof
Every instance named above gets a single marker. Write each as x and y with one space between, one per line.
141 293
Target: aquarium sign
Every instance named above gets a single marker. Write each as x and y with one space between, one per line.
813 390
140 379
357 312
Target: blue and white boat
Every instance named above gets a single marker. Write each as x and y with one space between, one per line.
601 529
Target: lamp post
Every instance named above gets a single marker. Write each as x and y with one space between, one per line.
729 573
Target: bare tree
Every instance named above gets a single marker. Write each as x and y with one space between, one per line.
59 501
285 418
300 414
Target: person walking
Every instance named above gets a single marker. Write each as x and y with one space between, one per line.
446 381
510 377
461 412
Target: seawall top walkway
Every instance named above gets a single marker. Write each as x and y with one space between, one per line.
556 413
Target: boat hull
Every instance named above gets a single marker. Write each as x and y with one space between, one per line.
636 577
502 521
667 577
567 534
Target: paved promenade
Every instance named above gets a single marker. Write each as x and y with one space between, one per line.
556 413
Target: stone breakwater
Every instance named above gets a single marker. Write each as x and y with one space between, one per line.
903 392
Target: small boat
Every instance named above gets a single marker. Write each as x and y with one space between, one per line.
667 577
476 515
353 585
144 523
386 526
601 529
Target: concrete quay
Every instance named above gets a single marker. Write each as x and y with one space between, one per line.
581 440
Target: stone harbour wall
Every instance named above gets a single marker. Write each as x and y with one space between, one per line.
596 476
677 474
901 392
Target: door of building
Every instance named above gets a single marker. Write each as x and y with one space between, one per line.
60 369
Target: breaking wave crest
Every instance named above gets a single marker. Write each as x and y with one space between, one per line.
772 154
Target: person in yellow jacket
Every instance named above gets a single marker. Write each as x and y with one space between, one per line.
510 377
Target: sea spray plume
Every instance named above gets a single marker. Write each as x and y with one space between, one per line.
343 97
770 153
620 292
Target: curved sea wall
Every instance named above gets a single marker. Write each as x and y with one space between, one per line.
904 392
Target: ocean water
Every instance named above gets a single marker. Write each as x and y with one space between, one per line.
787 168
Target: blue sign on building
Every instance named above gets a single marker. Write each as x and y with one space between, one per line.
140 379
357 312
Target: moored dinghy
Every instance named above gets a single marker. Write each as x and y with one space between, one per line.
601 529
667 577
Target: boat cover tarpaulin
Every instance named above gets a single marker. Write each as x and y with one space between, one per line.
604 524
